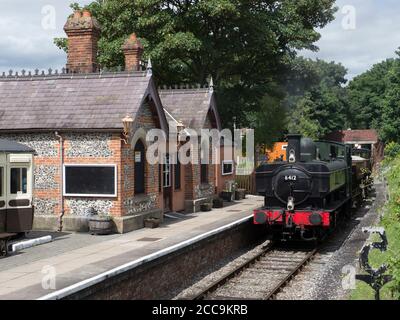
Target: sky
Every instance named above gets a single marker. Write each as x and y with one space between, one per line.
364 32
373 36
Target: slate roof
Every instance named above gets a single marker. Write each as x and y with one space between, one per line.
190 106
14 147
369 135
91 101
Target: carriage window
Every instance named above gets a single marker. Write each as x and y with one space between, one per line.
1 180
90 180
19 183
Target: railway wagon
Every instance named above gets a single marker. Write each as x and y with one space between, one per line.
309 193
16 189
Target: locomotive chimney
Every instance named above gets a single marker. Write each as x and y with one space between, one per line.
293 148
83 33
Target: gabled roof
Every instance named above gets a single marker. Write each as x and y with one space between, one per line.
354 136
74 101
190 106
14 147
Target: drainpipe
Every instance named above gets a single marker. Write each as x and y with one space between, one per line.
60 218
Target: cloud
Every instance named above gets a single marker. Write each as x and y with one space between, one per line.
24 43
375 37
27 32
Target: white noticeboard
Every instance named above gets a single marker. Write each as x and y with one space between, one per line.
138 156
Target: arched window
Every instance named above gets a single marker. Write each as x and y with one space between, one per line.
140 167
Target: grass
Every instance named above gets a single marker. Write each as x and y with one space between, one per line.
377 258
391 223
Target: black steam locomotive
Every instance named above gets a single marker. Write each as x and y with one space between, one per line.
306 195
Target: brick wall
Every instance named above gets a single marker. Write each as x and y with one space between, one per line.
133 204
82 53
79 148
194 189
169 275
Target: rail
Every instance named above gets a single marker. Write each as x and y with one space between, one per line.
219 282
270 294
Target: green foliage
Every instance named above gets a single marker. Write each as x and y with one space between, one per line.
317 102
247 46
61 43
392 150
391 220
374 100
391 223
390 126
366 96
394 263
269 121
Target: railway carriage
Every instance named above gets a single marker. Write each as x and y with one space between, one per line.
306 195
16 189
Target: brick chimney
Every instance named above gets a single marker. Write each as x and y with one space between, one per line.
83 33
133 51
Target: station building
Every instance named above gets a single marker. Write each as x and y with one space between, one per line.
88 129
365 139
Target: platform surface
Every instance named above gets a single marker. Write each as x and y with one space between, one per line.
75 257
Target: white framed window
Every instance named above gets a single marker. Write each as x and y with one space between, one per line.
166 172
284 147
90 180
227 167
19 180
2 181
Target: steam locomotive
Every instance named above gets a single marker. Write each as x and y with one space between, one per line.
307 195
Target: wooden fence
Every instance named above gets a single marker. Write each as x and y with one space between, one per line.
247 182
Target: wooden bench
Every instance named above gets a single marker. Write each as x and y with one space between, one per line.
4 238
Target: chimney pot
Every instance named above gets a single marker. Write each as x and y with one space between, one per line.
86 13
83 33
133 37
133 51
77 14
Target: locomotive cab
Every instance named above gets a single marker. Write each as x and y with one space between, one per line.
16 187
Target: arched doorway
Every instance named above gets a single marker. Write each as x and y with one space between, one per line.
140 167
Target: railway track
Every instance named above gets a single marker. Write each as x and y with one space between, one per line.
261 277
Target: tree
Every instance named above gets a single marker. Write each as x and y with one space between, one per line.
367 95
390 124
317 101
247 46
270 120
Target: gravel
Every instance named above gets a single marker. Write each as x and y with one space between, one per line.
322 278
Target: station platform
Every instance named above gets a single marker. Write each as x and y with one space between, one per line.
74 260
